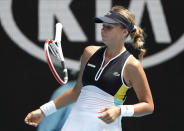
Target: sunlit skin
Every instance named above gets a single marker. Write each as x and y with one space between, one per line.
113 36
112 33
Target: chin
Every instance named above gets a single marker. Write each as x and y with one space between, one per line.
104 42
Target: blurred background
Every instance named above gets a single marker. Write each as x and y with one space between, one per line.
27 82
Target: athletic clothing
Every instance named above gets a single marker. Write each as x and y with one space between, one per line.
103 87
107 77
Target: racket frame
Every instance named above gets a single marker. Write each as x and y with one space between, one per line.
57 43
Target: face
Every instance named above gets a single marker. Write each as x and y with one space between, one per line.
112 33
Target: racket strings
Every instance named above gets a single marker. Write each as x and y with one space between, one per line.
54 49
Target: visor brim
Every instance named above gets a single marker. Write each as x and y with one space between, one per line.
105 20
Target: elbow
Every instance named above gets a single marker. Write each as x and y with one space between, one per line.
75 93
150 109
143 109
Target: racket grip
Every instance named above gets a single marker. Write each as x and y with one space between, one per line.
59 27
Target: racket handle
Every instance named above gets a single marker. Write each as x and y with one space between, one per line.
59 28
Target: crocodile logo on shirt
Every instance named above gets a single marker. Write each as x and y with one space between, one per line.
116 74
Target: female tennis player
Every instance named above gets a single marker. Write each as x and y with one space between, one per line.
106 73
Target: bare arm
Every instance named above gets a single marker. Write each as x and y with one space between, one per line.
134 73
71 95
134 76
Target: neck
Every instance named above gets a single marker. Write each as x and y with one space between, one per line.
114 50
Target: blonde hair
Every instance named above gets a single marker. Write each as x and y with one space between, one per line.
138 35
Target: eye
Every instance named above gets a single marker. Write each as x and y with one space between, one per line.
108 27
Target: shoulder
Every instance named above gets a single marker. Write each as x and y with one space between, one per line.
134 71
89 51
133 65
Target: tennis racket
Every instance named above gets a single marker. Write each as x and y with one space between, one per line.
55 58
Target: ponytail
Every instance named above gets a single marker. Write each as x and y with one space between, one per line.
137 33
138 41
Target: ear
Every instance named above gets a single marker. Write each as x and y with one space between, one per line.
125 32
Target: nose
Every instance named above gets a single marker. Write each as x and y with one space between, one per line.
102 31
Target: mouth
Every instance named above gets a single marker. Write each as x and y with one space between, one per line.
103 36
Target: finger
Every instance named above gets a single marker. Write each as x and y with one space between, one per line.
29 116
26 122
107 119
33 124
103 115
27 119
102 110
29 123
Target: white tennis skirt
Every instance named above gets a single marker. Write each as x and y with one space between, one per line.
84 114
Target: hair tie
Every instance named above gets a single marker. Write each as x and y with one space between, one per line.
134 29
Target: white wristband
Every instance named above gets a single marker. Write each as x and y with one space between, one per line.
127 110
48 108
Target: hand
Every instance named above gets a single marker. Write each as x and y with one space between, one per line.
109 114
47 41
34 117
